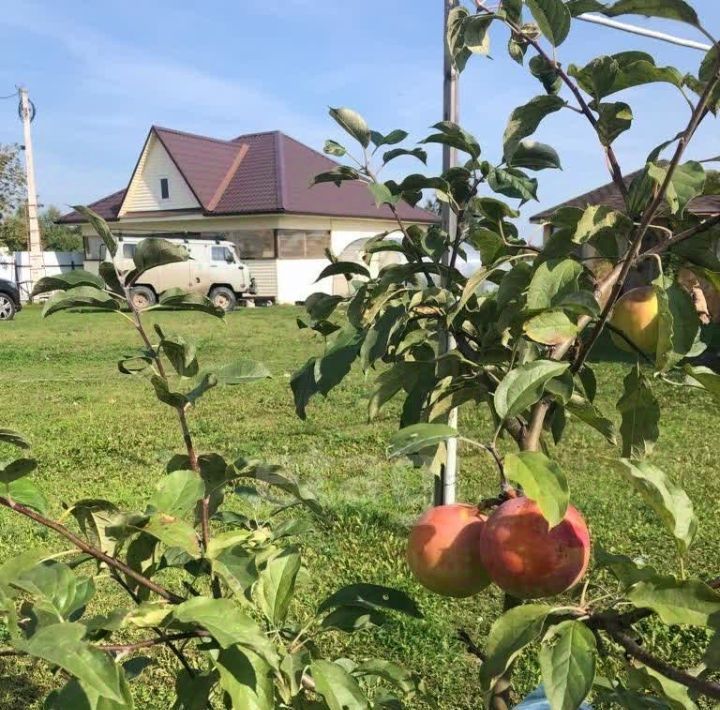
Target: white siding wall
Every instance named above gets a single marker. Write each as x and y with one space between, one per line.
144 191
264 271
296 279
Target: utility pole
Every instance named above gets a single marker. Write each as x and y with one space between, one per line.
445 489
37 268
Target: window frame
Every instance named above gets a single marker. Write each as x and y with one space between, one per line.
280 233
164 188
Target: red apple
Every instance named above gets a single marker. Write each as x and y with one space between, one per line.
527 558
443 550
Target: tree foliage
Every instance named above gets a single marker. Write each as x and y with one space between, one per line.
515 336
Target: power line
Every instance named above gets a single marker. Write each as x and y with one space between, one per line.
652 34
10 96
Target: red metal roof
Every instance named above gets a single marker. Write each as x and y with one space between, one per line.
259 173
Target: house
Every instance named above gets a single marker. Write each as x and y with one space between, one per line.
254 190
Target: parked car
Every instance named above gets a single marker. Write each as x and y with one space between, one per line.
213 270
9 300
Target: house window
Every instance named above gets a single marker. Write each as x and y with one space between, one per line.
302 244
164 189
254 243
128 250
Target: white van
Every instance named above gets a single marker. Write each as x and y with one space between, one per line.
213 270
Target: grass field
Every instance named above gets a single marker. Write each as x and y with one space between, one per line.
97 433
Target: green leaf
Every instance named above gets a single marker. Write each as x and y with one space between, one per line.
416 437
17 469
334 148
353 123
100 226
177 493
456 137
276 585
345 268
163 393
181 354
550 328
597 219
246 678
173 532
382 194
80 297
590 415
552 281
553 19
228 625
542 481
371 596
418 153
668 9
524 386
64 281
58 584
109 276
640 414
682 602
567 661
669 501
613 120
389 671
628 572
455 36
674 694
508 636
475 34
535 156
608 75
337 175
512 183
686 183
337 687
271 476
241 372
193 691
8 436
706 378
678 326
179 300
154 252
62 645
26 493
392 138
525 119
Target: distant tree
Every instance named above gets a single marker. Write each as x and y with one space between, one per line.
58 237
55 237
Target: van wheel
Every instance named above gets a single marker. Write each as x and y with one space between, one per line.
224 298
143 297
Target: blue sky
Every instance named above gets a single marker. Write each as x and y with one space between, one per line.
101 73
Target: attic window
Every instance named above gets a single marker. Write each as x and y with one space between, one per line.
164 189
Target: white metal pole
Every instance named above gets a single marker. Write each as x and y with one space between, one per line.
37 270
652 34
445 492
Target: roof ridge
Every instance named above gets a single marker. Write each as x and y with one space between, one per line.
229 143
308 147
253 135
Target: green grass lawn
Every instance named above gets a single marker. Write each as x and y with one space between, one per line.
97 433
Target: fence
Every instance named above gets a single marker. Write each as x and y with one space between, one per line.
15 267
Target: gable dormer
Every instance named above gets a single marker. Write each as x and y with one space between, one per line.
156 183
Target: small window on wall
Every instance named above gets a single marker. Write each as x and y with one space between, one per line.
253 243
164 189
302 244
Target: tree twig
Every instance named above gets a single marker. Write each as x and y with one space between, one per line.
90 550
148 643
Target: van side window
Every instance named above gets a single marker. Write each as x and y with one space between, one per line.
129 250
222 254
